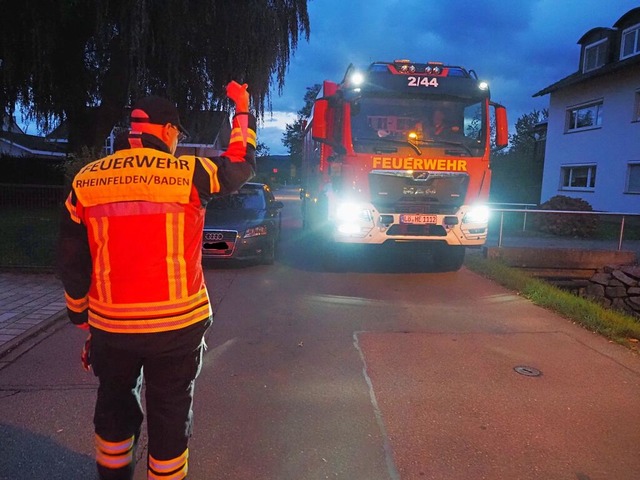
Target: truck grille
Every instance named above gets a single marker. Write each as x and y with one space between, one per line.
417 230
424 208
418 192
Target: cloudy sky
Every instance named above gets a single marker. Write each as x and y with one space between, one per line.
518 46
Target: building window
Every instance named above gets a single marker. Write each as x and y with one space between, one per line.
584 117
594 55
578 177
630 42
633 178
636 107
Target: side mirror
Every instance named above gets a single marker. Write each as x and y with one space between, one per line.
320 125
277 205
502 127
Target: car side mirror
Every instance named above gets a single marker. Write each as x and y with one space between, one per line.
277 205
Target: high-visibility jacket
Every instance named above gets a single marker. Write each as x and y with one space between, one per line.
130 246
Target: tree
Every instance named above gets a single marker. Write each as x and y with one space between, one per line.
85 60
523 141
262 150
517 172
293 137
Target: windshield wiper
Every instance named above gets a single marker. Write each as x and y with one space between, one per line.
414 143
392 141
446 142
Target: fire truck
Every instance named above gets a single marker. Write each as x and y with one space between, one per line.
399 153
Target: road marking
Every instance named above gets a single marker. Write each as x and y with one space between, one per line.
348 301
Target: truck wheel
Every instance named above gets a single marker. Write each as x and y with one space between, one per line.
448 258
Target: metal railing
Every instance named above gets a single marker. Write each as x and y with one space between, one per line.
29 215
526 207
30 196
526 211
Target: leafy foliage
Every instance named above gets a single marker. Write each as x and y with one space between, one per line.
60 58
262 150
565 224
517 172
524 139
293 138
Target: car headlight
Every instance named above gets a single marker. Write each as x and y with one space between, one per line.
477 214
256 231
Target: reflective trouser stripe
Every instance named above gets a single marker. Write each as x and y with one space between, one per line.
114 454
172 469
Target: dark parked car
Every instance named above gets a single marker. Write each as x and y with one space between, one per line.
244 225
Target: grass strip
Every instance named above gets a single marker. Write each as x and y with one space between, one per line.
29 236
614 325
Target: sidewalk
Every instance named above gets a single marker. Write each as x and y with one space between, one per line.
29 302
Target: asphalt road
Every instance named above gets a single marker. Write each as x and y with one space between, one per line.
385 371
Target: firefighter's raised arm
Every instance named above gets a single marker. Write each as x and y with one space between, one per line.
228 172
240 96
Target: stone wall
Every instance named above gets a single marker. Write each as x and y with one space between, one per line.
616 287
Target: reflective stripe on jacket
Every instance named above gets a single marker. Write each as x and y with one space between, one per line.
130 245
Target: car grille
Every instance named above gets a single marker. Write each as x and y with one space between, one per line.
219 243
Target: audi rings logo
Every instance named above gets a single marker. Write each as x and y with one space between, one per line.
213 236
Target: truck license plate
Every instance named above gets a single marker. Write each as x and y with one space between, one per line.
418 219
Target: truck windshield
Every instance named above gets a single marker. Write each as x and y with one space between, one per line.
385 124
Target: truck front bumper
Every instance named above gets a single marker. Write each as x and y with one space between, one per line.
377 228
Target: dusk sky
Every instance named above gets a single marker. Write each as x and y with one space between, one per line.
519 47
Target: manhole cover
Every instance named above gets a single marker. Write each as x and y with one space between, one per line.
528 371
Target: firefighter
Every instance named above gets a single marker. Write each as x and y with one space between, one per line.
129 258
440 126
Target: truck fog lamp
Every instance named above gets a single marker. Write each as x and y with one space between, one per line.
386 219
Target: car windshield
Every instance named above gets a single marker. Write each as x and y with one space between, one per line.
245 199
384 124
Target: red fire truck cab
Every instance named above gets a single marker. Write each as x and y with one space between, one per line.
400 153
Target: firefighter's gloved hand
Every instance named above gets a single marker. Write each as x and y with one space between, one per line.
85 355
238 93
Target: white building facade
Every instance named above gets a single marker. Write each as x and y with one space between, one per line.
593 135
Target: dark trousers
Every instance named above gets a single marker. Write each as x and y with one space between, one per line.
169 362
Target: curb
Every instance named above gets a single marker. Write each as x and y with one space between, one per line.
15 347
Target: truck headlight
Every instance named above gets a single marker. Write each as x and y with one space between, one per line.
477 214
353 218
